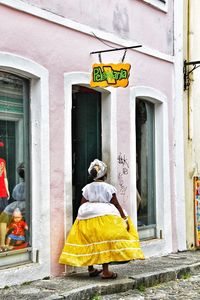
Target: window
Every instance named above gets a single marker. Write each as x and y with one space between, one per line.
159 4
145 167
14 170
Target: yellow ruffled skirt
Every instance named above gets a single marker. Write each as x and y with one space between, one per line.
101 240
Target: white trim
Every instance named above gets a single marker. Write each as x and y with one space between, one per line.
105 251
98 243
179 127
109 141
112 38
163 204
39 148
158 4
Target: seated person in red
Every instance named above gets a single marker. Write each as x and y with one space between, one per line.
16 230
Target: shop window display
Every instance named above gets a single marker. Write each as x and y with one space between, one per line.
14 164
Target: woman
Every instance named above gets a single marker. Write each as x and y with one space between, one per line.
102 233
4 191
18 194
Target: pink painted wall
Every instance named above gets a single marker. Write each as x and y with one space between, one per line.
63 50
131 19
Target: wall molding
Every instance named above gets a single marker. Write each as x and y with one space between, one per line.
49 16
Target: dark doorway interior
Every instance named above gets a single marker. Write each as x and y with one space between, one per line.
86 137
145 162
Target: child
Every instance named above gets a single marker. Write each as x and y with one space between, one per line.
16 230
18 195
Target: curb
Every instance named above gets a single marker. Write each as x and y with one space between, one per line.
132 282
99 289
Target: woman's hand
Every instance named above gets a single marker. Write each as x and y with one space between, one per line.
126 223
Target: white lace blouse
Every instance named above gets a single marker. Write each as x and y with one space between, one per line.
100 191
99 195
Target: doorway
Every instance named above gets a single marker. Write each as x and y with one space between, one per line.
145 168
86 138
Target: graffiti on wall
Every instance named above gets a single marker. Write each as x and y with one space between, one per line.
123 172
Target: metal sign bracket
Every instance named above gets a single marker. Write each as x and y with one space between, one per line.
186 72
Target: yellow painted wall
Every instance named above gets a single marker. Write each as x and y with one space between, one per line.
191 112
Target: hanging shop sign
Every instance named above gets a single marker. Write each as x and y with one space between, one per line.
116 75
197 209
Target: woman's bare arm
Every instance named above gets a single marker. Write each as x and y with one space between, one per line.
83 200
115 202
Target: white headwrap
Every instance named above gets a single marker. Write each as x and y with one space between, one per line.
100 167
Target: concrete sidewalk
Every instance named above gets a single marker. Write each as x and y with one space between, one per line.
130 275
